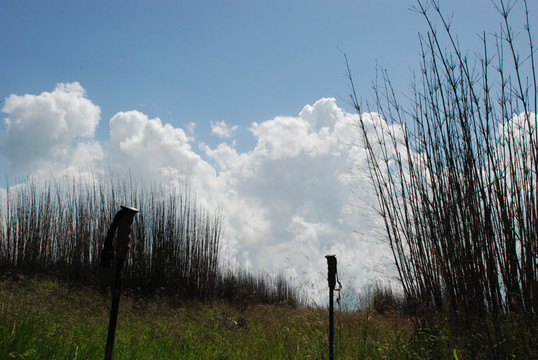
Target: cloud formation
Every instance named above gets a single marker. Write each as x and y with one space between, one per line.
223 130
153 150
291 197
289 201
55 127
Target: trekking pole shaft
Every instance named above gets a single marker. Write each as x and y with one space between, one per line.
331 277
331 323
123 221
114 311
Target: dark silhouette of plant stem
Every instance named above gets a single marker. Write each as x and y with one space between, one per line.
456 178
58 227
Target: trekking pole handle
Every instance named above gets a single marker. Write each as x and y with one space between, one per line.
125 226
331 276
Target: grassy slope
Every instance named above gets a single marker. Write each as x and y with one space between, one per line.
47 320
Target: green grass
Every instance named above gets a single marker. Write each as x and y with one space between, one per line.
48 320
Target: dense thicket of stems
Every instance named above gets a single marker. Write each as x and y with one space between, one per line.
456 176
58 227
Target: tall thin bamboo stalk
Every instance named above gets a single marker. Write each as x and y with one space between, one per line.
58 226
456 177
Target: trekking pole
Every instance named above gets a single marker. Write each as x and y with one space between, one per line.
123 221
331 277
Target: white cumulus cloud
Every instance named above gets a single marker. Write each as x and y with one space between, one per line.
153 151
43 128
288 201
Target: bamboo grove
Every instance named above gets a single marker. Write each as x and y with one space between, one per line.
456 175
56 227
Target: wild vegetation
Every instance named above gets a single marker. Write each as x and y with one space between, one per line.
58 227
44 319
456 177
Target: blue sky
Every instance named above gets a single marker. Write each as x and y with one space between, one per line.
245 99
202 61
